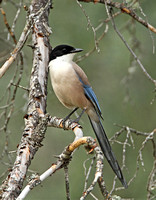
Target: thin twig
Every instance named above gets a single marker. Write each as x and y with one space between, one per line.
87 174
16 17
63 160
124 9
80 58
7 25
67 182
89 24
24 35
24 88
131 51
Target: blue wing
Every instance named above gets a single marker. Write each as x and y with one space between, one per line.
91 96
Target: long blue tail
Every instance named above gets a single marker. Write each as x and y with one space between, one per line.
107 150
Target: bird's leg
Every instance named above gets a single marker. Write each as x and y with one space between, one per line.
67 117
78 118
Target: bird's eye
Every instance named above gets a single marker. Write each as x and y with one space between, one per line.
64 49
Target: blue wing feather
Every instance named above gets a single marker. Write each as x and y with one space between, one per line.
91 95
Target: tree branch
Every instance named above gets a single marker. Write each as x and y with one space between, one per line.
63 160
30 24
17 49
124 9
35 119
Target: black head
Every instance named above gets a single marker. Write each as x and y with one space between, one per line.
61 50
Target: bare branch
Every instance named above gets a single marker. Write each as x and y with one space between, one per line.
80 58
7 25
87 174
24 88
132 52
89 24
35 119
67 182
16 17
148 137
33 18
98 177
151 182
17 49
124 9
63 160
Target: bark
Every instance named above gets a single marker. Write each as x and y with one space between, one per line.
35 119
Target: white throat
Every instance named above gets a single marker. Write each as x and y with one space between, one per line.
66 58
60 65
62 61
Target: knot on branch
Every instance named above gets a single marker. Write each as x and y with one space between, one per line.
35 128
35 181
36 90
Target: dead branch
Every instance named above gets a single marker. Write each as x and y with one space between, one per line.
80 58
17 49
63 160
19 8
87 174
124 9
10 101
151 182
67 182
33 18
35 120
8 108
97 178
129 48
7 25
148 137
111 17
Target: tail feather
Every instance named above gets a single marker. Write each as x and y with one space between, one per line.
107 150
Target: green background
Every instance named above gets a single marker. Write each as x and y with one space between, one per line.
126 103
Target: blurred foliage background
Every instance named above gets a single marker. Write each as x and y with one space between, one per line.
124 93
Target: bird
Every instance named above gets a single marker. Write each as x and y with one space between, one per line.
73 90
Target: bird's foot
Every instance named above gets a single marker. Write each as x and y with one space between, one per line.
74 121
63 122
67 117
70 122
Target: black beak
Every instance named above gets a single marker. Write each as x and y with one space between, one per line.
76 50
